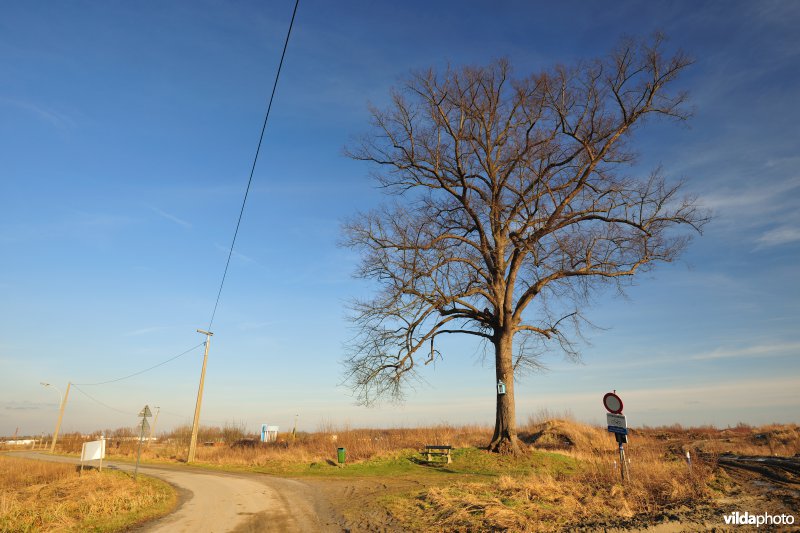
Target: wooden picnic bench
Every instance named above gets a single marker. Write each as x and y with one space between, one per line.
443 451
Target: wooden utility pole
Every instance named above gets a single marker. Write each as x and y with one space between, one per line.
60 416
153 427
195 425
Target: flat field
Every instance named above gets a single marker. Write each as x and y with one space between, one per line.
568 478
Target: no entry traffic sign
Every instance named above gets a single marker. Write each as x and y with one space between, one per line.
612 403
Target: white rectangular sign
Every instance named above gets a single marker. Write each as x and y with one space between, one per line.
616 420
93 451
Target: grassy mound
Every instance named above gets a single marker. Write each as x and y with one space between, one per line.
778 440
559 434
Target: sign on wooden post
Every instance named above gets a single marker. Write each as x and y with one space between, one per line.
93 451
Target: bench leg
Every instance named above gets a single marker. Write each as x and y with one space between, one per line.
448 459
429 458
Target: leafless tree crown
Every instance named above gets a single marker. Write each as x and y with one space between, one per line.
507 192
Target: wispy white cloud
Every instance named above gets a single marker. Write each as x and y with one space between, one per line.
23 406
760 212
173 218
235 254
713 401
778 236
78 225
55 118
750 200
712 280
144 331
761 350
100 220
761 393
248 326
721 352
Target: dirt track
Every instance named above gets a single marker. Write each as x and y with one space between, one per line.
223 502
769 483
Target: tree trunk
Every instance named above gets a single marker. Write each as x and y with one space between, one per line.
505 429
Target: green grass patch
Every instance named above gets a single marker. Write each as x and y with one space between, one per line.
479 462
466 463
400 463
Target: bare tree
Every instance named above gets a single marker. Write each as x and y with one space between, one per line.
512 202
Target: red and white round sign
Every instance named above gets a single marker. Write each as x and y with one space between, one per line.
612 403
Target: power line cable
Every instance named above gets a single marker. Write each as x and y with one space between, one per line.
99 402
235 233
128 413
187 417
142 371
253 168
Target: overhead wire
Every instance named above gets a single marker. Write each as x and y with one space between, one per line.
130 413
253 167
99 402
233 241
187 417
142 371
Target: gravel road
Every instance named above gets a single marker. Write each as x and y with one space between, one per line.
224 502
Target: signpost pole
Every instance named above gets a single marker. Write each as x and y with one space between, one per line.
618 425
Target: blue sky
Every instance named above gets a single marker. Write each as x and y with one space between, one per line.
128 131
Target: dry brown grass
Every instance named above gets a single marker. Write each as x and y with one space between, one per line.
782 440
360 444
544 430
544 502
552 500
552 497
565 434
41 496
